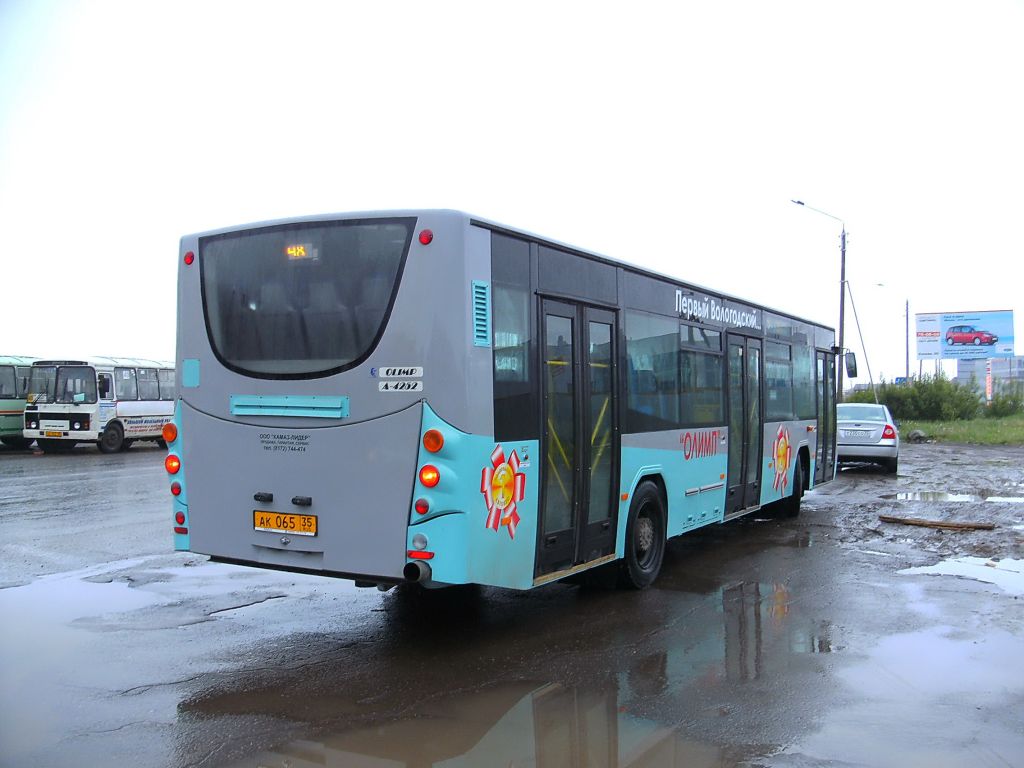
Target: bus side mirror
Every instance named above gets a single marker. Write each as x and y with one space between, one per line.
851 364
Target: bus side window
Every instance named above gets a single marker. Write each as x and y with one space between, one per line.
125 385
106 386
149 389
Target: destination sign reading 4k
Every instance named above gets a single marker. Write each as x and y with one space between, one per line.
279 522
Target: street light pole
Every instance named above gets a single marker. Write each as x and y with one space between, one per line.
842 294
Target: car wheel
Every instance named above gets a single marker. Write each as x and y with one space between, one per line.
949 340
977 341
892 465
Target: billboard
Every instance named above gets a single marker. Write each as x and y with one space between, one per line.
964 335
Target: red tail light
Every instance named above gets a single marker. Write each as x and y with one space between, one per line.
888 433
429 475
189 258
426 236
422 506
176 488
179 518
172 464
418 554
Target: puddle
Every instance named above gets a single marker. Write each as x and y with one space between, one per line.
941 496
516 723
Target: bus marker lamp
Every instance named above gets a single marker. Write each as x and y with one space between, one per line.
176 490
189 258
433 440
172 464
169 432
429 475
426 236
179 518
422 506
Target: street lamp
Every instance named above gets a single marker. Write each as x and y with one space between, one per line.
842 291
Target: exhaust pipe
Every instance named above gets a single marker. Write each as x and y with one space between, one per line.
416 571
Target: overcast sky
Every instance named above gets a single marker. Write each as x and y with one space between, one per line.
674 139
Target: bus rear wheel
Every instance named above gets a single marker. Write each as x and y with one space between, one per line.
112 439
791 506
645 538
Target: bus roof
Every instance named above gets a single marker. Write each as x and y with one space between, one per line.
497 227
17 360
108 362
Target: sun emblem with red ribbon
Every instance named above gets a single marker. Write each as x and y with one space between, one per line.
782 452
502 485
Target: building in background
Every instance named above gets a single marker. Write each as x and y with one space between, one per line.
1006 371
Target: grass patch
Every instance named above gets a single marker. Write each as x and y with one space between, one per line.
1005 430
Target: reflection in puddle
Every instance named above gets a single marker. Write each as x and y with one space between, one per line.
992 496
507 724
664 701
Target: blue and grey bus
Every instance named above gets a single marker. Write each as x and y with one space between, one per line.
430 397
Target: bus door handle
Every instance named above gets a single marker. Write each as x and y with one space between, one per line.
302 501
262 497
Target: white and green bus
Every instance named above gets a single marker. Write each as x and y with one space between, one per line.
14 372
430 397
110 401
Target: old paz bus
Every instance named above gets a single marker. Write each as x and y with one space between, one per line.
14 372
110 401
429 397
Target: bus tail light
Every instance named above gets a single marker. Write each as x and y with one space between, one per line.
420 554
888 433
176 488
422 506
426 237
179 518
172 464
433 440
189 258
429 475
169 432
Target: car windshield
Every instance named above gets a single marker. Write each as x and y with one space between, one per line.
857 412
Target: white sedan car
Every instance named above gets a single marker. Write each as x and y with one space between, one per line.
867 432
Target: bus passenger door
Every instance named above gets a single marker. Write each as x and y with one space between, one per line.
580 442
824 460
744 361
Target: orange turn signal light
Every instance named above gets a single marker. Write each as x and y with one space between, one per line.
169 432
433 440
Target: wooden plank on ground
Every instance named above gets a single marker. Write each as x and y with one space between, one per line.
946 524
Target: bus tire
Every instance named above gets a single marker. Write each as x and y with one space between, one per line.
16 442
112 439
791 506
645 538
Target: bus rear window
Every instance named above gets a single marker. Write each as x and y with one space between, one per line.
301 300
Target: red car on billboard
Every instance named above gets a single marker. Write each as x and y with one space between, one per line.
968 334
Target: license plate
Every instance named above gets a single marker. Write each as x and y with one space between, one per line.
855 432
55 434
279 522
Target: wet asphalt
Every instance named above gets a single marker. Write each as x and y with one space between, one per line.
764 642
